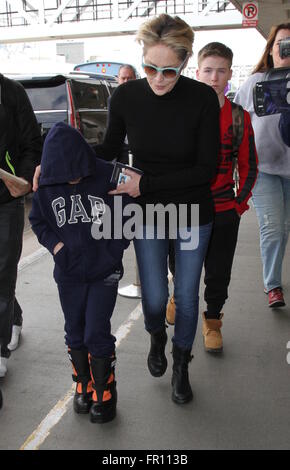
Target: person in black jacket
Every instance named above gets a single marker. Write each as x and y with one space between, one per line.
69 207
20 150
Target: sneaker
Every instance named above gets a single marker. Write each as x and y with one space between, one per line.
3 366
16 333
276 298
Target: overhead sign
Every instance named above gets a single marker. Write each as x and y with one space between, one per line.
250 14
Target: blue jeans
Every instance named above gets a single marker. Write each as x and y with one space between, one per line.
152 257
271 199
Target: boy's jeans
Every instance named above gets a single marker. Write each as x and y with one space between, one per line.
152 256
271 199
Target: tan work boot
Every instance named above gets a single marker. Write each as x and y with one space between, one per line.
170 311
213 340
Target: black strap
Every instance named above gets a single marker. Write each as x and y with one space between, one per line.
238 126
238 133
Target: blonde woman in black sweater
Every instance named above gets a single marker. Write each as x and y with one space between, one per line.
172 124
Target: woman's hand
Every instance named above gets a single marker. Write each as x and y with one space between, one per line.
131 187
17 190
36 178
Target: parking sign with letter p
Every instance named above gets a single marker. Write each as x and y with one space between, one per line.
250 14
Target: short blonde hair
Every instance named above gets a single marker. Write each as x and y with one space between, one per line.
169 31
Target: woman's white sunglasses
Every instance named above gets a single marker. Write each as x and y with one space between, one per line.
168 72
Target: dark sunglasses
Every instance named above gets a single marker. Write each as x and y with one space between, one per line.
168 72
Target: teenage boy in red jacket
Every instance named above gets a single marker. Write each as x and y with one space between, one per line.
214 69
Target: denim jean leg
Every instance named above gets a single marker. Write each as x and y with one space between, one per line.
186 287
151 257
269 203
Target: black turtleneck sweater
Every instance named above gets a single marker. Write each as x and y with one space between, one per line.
174 139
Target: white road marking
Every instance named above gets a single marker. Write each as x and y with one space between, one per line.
38 436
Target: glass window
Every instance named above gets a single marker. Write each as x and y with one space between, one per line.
88 95
47 99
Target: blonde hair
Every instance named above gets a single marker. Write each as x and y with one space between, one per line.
169 31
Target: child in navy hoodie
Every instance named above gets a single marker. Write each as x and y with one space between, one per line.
72 196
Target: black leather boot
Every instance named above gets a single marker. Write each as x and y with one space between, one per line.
105 392
157 362
81 368
181 389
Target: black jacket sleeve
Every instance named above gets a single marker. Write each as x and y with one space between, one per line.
30 141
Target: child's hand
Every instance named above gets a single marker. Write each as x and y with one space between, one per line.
57 247
36 178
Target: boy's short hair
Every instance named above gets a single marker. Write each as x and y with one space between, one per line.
215 49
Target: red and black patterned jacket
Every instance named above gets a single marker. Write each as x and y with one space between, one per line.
223 184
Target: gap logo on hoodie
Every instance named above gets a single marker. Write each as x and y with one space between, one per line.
78 212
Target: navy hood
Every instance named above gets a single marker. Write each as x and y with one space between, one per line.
66 156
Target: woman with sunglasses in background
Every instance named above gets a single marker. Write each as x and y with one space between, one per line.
172 124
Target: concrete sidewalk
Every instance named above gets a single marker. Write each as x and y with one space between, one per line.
241 398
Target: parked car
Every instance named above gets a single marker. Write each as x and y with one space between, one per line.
102 67
80 100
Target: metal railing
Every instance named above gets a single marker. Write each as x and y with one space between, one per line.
22 13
